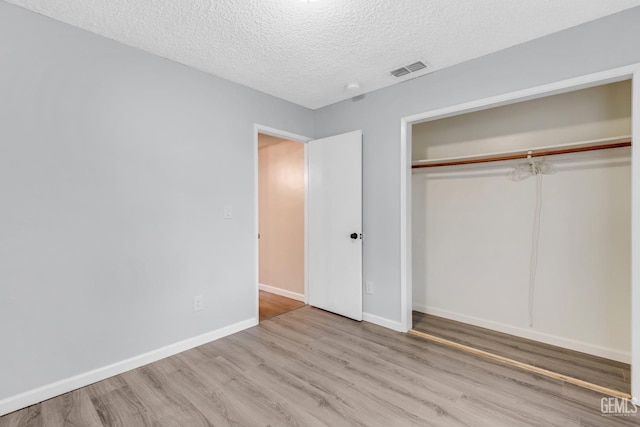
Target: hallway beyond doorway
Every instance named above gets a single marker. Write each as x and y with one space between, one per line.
272 305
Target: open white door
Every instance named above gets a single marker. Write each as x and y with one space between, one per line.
335 224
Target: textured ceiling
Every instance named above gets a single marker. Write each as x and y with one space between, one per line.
308 52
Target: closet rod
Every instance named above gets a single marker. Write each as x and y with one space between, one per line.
524 155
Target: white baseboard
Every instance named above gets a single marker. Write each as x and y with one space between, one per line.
57 388
382 321
281 292
568 343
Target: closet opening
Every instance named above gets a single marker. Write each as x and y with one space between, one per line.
518 224
281 225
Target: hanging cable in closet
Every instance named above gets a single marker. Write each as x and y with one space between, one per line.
519 173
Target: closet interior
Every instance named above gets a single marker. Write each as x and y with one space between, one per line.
521 225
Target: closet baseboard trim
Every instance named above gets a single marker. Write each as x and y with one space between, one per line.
40 394
583 347
523 366
282 292
383 321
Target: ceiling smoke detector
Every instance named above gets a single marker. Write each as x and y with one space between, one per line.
407 69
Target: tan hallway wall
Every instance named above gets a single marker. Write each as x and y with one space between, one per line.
281 205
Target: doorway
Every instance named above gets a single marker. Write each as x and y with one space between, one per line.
281 225
332 233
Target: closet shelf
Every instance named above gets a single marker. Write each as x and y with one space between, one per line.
574 147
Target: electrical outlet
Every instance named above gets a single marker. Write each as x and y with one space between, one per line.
228 212
197 303
368 287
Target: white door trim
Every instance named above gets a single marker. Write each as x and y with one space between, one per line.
266 130
635 237
631 72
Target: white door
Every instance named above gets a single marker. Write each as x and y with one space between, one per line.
335 224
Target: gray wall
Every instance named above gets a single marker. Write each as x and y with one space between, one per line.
115 166
607 43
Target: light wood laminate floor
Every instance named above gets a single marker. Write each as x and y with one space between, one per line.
593 369
311 368
272 305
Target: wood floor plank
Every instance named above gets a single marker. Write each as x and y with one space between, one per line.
596 370
121 408
212 398
272 305
153 386
311 368
74 409
27 417
440 397
327 367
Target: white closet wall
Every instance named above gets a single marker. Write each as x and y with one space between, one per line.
472 225
598 112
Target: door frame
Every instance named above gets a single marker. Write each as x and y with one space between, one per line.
629 72
266 130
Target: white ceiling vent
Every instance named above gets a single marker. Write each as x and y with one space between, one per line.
400 72
411 68
416 66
